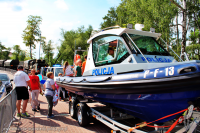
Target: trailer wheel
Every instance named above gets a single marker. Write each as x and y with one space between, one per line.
82 114
72 108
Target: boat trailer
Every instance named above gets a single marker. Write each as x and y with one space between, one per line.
190 119
84 109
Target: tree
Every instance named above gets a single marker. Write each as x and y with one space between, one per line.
110 19
193 8
31 32
48 51
4 52
67 48
184 7
22 55
194 47
16 53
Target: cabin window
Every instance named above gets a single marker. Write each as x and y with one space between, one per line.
57 71
148 45
109 50
44 72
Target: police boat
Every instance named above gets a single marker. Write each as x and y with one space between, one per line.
128 69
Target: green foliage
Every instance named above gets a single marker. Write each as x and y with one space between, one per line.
110 19
22 56
67 48
16 53
152 13
19 54
31 33
193 50
48 51
4 52
158 14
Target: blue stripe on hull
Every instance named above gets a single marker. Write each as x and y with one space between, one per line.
148 107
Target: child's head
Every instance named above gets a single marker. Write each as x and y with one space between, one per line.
79 62
60 74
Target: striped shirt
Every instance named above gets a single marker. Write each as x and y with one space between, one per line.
68 70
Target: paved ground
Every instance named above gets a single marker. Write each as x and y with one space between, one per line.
62 122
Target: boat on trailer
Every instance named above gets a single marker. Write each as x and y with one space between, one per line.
139 77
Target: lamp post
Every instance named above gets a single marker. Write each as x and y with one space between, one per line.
40 45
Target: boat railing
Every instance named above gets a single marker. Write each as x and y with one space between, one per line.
171 49
137 48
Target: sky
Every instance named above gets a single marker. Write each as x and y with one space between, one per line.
56 15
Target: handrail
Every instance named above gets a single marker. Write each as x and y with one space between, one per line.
137 47
171 49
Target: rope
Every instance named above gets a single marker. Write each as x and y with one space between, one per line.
145 124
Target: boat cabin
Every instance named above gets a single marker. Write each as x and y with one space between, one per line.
124 50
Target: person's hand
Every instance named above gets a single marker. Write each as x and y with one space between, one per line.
30 90
40 91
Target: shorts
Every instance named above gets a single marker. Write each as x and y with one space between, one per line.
22 93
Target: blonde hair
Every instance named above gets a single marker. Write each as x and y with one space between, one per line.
59 74
78 61
49 74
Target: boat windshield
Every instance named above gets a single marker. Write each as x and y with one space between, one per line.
57 71
148 45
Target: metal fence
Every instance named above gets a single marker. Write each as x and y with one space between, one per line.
7 107
7 110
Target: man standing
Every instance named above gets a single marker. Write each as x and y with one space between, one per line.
22 81
35 90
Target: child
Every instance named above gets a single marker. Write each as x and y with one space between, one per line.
60 89
78 69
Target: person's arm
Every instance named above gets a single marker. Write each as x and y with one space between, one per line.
29 84
75 73
44 86
39 85
28 81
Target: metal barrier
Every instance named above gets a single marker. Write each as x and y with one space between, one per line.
7 111
8 107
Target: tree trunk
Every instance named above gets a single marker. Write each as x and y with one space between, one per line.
30 52
184 31
177 43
